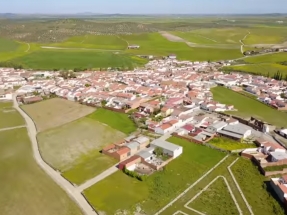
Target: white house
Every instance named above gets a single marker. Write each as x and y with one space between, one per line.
168 148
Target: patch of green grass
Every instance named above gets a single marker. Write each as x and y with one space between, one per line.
105 42
68 59
254 186
118 121
8 45
159 188
269 58
215 200
9 116
266 35
229 144
25 188
88 166
275 168
248 107
260 69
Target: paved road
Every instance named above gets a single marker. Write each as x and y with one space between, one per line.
98 178
11 128
64 184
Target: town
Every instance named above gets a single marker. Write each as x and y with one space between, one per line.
167 98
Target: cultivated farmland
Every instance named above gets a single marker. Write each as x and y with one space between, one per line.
243 104
9 117
69 59
159 188
228 144
74 148
55 112
118 121
104 42
25 188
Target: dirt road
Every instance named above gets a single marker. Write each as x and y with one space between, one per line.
64 184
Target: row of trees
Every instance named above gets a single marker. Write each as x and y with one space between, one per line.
10 64
278 76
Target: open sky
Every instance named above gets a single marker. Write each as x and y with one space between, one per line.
144 6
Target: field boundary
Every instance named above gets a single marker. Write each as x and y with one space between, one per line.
191 186
238 187
206 187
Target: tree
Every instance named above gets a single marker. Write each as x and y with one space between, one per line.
103 103
87 85
158 151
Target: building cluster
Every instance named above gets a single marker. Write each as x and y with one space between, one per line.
270 157
138 154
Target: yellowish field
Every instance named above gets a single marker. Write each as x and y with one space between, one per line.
55 112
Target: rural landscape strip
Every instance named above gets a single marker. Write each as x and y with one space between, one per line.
11 128
71 191
87 49
191 186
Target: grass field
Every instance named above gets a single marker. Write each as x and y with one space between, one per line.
9 117
8 45
260 69
254 186
105 42
251 184
218 196
126 193
25 188
70 59
243 104
156 44
270 58
266 35
228 144
118 121
55 112
74 148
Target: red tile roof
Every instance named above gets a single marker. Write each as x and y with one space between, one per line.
123 150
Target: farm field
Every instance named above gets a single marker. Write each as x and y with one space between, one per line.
9 116
118 121
159 188
70 59
8 45
228 144
156 44
219 199
260 69
267 35
74 148
270 58
55 112
243 104
105 42
25 188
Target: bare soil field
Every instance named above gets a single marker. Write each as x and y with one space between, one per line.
64 146
172 37
55 112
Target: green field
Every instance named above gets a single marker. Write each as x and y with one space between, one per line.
105 42
156 44
25 188
228 144
216 195
118 121
243 104
269 58
254 186
9 116
266 35
259 69
126 193
8 45
68 59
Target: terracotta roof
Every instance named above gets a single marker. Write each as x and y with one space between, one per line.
165 126
284 177
123 150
